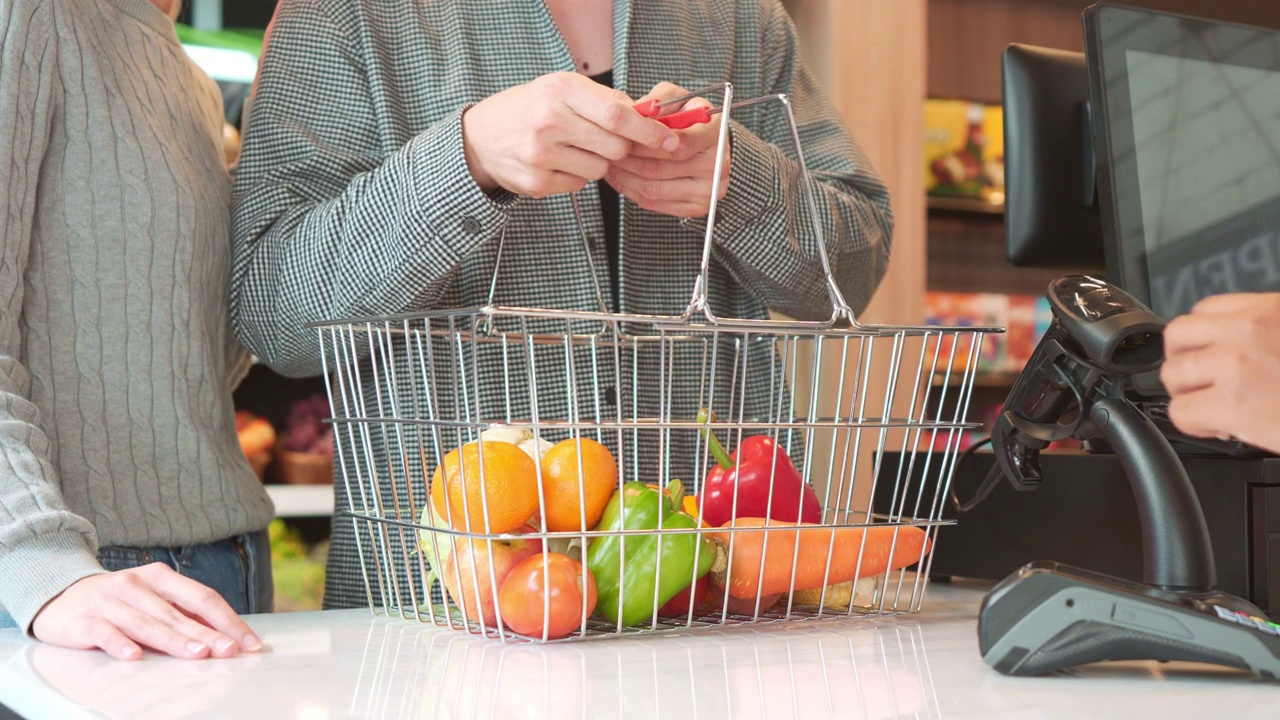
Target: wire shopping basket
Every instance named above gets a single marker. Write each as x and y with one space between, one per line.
538 474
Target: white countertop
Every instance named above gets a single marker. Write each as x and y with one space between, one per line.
350 663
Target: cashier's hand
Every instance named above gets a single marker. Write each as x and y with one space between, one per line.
150 606
676 183
1222 369
554 135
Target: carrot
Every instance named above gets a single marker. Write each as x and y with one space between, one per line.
808 550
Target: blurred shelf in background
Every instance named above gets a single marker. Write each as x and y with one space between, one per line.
298 501
965 205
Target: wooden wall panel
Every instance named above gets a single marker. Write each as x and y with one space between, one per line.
966 254
966 37
870 57
878 84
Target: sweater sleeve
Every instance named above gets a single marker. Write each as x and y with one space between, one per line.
327 223
764 226
43 547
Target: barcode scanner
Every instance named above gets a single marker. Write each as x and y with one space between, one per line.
1099 334
1048 616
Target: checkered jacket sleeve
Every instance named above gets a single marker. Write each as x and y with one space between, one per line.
353 196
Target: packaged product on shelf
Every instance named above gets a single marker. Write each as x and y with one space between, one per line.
964 150
992 309
1001 353
937 311
1021 334
970 310
1044 316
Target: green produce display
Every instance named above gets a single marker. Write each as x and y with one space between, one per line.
297 576
629 569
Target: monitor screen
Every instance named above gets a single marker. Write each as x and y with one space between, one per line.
1051 217
1187 125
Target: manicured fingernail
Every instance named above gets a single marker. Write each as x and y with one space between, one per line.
224 645
130 651
671 144
196 648
252 643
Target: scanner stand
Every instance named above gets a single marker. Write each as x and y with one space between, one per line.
1047 616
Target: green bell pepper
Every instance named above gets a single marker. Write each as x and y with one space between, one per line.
653 562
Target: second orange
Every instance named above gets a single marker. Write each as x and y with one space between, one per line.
576 489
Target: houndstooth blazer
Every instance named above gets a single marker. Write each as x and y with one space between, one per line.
353 196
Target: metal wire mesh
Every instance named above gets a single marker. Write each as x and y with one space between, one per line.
409 392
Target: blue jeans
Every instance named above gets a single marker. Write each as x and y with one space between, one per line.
239 568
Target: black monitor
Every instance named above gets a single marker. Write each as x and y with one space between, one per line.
1051 213
1187 131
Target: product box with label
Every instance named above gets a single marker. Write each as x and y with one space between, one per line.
964 150
1005 352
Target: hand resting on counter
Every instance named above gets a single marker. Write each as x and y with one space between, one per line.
150 606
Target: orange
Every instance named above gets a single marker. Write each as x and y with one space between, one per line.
566 499
510 487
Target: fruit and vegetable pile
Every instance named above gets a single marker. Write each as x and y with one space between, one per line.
305 429
650 551
257 438
297 572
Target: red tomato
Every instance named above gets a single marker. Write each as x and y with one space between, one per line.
534 598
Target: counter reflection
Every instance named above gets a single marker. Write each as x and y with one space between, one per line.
120 690
810 670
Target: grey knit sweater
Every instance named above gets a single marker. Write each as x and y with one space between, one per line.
116 354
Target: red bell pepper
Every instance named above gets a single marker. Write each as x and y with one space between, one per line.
678 606
758 466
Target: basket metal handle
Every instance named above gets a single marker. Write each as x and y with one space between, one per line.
699 303
586 247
